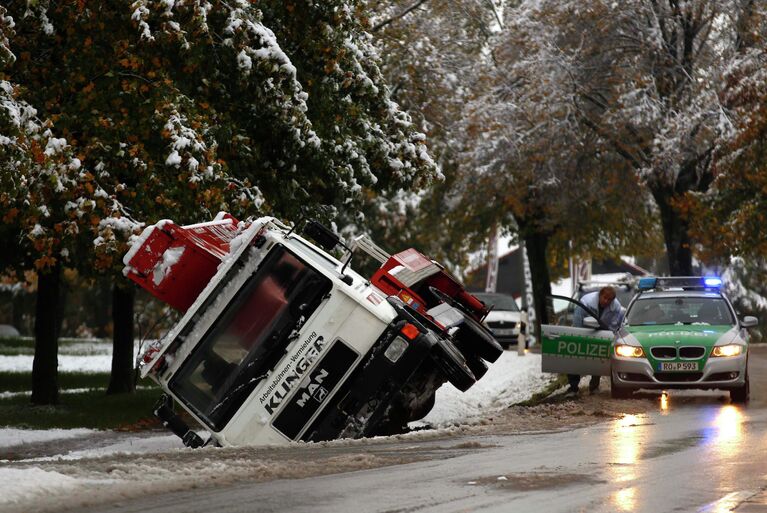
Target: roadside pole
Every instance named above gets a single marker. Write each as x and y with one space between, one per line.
522 337
529 299
491 283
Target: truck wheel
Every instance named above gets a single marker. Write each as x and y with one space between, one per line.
475 363
617 392
477 339
742 394
452 364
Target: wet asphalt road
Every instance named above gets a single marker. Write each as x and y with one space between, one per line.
695 452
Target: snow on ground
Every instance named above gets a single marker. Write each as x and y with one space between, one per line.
87 356
509 380
41 467
10 437
20 485
67 363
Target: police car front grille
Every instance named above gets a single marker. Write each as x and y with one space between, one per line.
691 352
663 352
678 377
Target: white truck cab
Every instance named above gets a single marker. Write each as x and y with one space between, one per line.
286 343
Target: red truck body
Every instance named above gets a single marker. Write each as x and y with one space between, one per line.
175 263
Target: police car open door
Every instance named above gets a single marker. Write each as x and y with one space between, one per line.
569 350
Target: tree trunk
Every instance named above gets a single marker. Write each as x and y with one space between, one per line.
536 245
18 304
122 377
101 317
45 373
675 234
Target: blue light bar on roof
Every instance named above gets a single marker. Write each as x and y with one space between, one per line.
680 282
712 281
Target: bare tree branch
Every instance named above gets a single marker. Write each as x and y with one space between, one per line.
398 16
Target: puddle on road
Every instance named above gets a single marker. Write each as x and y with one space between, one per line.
671 447
473 445
530 481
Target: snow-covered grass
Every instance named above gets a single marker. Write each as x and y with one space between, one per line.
509 380
74 356
32 462
67 363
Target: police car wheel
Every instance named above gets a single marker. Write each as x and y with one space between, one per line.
741 394
478 340
452 364
617 392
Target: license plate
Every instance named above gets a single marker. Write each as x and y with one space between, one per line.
678 366
503 332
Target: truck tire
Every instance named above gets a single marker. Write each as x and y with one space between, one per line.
477 339
453 365
476 364
742 394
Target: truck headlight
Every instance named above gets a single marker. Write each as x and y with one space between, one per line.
396 349
728 350
627 351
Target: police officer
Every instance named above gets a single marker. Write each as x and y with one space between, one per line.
605 303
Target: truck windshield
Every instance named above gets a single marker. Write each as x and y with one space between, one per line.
679 310
249 337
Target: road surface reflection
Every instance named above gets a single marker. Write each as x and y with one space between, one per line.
624 453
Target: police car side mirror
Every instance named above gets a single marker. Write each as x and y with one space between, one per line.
590 322
749 321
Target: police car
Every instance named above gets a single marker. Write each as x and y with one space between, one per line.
679 332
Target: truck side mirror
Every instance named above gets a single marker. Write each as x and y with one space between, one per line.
590 322
322 235
749 321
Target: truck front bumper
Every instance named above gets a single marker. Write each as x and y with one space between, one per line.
363 401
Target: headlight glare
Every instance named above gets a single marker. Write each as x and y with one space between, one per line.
627 351
728 350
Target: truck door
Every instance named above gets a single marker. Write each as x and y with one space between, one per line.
569 350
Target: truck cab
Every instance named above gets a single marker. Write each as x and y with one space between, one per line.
285 342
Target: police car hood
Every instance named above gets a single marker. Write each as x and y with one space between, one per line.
671 334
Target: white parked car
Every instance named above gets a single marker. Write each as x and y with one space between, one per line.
504 318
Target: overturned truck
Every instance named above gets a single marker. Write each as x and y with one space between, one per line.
281 341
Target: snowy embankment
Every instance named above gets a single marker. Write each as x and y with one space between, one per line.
36 465
509 380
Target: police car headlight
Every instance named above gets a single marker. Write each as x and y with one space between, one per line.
395 349
728 350
627 351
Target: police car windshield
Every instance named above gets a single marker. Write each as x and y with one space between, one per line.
679 310
249 337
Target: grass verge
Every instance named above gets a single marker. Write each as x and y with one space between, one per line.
539 397
22 381
88 409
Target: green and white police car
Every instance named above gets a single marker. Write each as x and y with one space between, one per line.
679 332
